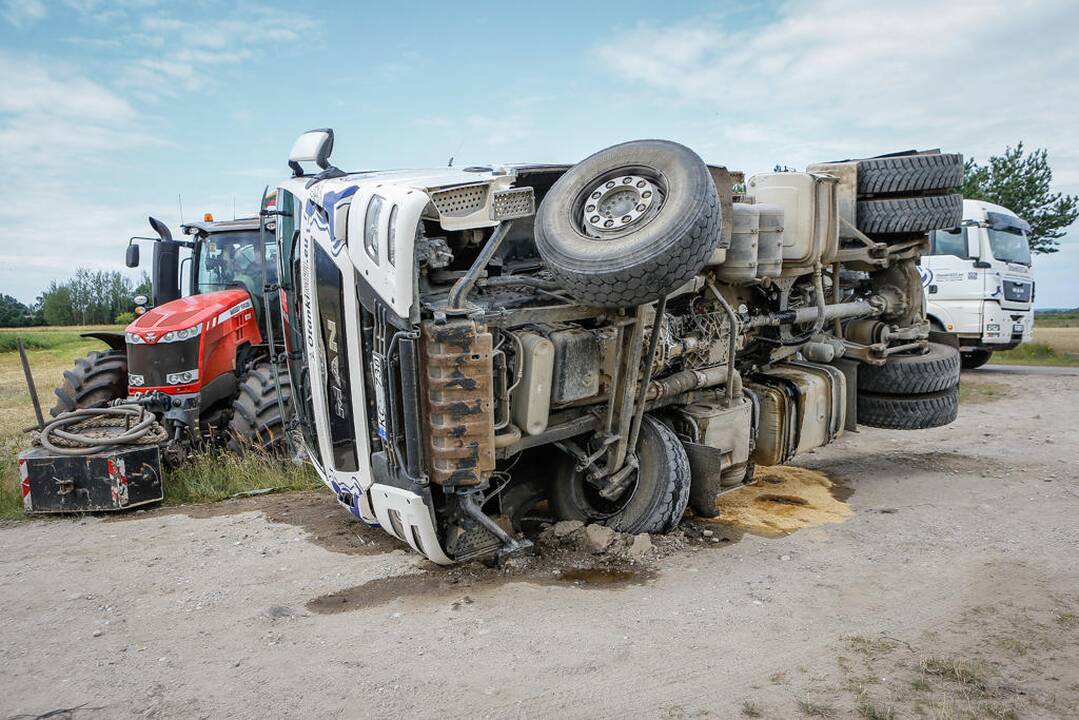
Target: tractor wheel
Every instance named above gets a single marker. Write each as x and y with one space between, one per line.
96 379
257 421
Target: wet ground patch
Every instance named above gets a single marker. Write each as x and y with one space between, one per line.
781 500
457 585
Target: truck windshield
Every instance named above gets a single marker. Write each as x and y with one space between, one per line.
231 258
1010 245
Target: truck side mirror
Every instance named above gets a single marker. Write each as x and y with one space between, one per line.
132 259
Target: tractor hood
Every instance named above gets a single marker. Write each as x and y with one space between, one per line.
184 313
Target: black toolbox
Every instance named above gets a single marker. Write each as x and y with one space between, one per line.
116 479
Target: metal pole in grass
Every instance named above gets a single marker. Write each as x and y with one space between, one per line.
30 383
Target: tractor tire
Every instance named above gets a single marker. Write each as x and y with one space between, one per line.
629 249
257 422
655 504
910 174
908 412
974 359
96 379
936 370
888 216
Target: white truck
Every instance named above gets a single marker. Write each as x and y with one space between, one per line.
978 282
611 342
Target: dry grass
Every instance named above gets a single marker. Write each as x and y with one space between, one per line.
207 477
1051 346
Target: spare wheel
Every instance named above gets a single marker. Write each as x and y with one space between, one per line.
630 224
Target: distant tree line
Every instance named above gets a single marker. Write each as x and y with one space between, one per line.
89 297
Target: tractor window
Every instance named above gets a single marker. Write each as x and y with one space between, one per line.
231 259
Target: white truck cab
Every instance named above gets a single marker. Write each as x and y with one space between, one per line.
978 282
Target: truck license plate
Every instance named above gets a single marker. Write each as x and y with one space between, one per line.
1017 328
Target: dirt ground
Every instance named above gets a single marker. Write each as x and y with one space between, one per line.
929 574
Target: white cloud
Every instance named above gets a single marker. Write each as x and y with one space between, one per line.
846 77
23 13
195 48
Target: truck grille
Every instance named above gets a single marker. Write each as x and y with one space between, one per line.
155 362
1016 291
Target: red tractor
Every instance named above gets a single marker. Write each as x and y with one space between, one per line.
202 362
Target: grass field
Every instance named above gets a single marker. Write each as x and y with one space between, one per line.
51 351
1054 345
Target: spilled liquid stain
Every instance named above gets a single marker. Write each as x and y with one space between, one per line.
437 585
782 500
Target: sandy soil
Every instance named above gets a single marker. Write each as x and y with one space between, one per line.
938 577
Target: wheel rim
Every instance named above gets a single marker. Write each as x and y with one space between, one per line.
619 202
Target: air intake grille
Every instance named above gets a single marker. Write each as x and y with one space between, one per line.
460 201
510 204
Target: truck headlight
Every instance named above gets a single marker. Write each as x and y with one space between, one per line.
181 335
182 378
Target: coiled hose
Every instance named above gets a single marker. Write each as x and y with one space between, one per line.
90 430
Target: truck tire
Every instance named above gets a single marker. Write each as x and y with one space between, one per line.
96 379
655 504
973 359
629 224
256 421
908 412
910 214
936 370
910 174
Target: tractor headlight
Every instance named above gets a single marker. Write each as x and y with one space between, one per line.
135 380
133 339
181 335
182 378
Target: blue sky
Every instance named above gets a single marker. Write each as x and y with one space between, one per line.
109 111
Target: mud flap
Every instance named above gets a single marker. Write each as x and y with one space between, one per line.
706 465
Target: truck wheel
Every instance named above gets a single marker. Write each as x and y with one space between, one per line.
908 174
96 379
973 359
653 504
629 224
256 415
908 412
936 370
910 214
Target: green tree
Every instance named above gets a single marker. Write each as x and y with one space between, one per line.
1021 182
13 313
56 307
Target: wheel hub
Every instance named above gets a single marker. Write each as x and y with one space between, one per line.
615 204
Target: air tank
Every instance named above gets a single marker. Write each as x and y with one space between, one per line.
740 266
769 240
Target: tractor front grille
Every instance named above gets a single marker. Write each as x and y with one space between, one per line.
155 362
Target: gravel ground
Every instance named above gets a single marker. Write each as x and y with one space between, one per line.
950 590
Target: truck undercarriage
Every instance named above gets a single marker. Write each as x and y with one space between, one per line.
619 339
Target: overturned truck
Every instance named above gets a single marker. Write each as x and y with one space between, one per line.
619 339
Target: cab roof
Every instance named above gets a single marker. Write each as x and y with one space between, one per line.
217 226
